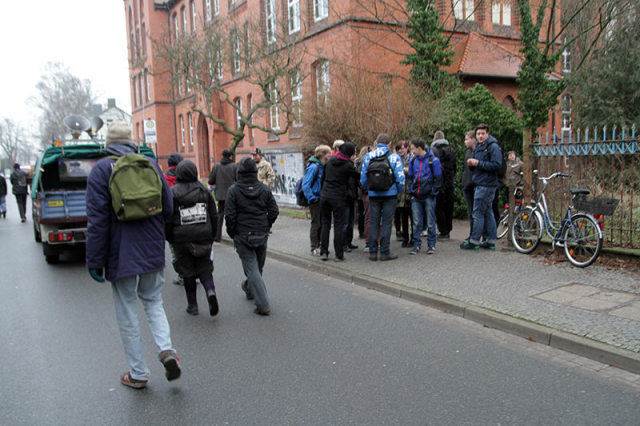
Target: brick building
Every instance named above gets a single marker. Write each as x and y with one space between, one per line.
335 33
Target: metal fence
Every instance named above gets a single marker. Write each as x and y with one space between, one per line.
604 161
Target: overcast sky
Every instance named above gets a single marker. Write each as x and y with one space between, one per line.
88 36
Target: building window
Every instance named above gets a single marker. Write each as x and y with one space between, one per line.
144 40
236 52
142 86
216 7
274 113
566 115
136 82
176 29
183 14
146 80
219 66
294 16
138 131
566 61
238 103
250 103
270 14
296 99
194 17
207 10
190 131
141 10
323 83
501 12
182 142
135 92
320 9
463 9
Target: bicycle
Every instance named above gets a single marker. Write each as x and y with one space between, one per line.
579 233
503 221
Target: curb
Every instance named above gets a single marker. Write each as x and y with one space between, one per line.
587 348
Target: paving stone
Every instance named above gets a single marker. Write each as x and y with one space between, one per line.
580 289
614 296
594 304
631 312
559 296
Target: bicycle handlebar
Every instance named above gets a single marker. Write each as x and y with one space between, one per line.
555 175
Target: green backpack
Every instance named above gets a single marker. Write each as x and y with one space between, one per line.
135 187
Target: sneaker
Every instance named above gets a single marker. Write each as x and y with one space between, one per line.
346 249
390 256
213 303
245 288
315 252
129 381
178 280
339 259
468 245
487 246
424 233
261 312
415 250
324 256
398 236
431 250
373 256
171 364
352 246
365 249
192 310
404 244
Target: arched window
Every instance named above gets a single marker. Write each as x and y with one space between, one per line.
509 102
141 10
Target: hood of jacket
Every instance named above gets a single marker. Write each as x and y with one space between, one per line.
121 148
439 142
225 161
314 159
186 171
249 186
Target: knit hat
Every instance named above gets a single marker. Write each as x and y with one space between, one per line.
256 151
16 166
118 132
348 149
174 159
227 153
247 166
186 171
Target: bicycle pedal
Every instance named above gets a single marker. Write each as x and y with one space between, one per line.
548 252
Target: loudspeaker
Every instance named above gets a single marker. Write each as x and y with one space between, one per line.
76 123
96 124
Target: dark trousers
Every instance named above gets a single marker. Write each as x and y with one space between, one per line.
444 211
337 209
468 198
190 286
402 216
253 259
316 224
220 219
361 217
381 210
21 199
349 217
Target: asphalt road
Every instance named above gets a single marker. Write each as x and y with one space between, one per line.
330 353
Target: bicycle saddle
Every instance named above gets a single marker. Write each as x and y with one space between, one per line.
578 191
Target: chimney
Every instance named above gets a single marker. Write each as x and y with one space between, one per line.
111 103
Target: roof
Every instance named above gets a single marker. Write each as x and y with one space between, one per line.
479 56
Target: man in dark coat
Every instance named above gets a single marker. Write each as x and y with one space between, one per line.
222 176
191 232
446 197
3 197
250 210
174 159
130 254
20 189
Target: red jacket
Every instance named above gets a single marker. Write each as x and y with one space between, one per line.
170 176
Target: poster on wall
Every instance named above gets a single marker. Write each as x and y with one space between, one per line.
288 168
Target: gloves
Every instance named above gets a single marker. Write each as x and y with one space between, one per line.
97 274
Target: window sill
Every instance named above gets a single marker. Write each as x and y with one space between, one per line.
273 138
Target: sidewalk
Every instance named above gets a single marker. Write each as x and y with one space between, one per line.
597 303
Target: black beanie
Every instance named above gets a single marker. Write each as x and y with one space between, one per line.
247 166
174 159
348 149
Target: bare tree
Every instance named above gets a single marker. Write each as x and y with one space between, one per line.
13 142
60 93
268 60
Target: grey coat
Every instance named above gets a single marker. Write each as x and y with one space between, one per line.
223 175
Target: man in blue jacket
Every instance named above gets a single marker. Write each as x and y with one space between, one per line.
485 163
425 176
382 203
131 256
312 186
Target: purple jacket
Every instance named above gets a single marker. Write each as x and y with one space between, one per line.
125 249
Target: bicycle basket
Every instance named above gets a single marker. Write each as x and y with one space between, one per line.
596 205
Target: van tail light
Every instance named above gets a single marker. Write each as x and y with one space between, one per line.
60 237
600 219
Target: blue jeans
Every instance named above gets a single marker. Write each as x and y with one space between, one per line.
424 216
126 292
381 212
483 216
3 203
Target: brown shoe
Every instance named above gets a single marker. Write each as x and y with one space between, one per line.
129 381
171 364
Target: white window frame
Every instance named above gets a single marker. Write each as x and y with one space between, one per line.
251 116
238 112
566 61
176 26
182 131
219 65
135 91
320 10
501 12
183 13
207 10
236 52
274 112
323 83
294 15
191 143
146 80
566 106
216 7
296 99
194 17
464 10
270 20
141 83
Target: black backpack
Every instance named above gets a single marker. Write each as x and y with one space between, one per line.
301 200
380 175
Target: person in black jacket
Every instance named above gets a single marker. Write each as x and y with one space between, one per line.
191 232
20 189
222 176
250 210
446 197
467 183
338 185
3 197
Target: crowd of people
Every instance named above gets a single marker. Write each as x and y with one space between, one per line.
407 184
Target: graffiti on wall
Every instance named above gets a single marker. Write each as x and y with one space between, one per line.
288 168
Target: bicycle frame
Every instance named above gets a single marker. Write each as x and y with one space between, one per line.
542 208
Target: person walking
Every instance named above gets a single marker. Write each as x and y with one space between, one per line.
20 190
130 254
403 208
485 164
266 174
3 196
383 177
250 210
363 201
466 182
425 177
312 186
338 185
446 195
222 176
174 159
192 232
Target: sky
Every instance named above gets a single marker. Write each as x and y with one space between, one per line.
88 36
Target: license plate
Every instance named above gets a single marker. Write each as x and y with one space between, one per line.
55 203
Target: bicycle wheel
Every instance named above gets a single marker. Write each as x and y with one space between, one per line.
503 224
526 231
582 239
